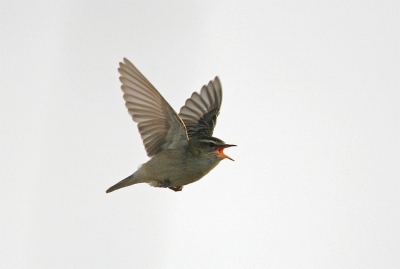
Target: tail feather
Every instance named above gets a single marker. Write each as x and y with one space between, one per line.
123 183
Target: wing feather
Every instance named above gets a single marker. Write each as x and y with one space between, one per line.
159 125
200 111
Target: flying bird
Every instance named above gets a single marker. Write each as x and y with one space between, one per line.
181 146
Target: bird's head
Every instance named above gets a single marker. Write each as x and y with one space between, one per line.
214 147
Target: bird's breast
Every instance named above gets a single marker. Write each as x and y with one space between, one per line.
179 168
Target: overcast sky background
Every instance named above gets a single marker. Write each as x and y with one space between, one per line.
311 98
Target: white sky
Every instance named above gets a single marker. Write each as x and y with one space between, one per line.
311 98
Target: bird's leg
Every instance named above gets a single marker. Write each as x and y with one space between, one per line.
164 183
176 188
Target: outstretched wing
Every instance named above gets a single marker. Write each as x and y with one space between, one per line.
159 125
200 111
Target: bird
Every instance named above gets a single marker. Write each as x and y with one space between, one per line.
181 147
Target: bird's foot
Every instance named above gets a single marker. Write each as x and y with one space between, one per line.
176 188
164 183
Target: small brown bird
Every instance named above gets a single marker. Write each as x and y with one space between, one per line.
181 147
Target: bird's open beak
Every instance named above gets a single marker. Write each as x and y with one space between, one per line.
220 151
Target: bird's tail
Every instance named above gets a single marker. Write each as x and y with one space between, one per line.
132 179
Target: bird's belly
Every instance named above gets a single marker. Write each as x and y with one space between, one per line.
177 171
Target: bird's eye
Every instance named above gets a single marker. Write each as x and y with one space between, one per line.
211 144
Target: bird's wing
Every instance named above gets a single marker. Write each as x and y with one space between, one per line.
200 111
159 125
